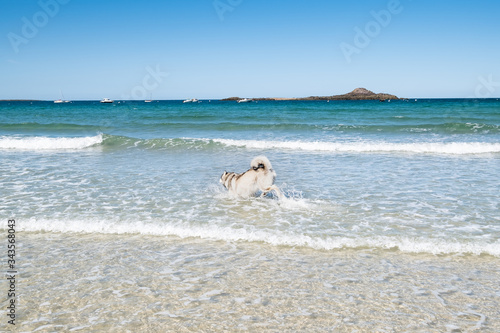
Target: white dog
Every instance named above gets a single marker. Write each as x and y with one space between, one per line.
259 178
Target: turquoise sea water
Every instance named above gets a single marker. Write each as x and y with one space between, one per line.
385 187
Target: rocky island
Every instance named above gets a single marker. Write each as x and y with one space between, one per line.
355 95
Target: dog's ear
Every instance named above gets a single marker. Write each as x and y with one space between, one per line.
222 178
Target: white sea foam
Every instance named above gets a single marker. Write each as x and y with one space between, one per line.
47 143
453 148
272 237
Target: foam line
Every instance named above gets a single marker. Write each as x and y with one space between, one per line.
276 238
453 148
46 143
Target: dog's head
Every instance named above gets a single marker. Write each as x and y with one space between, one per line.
261 163
223 177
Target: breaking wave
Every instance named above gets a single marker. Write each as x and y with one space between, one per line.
118 142
48 143
272 237
453 148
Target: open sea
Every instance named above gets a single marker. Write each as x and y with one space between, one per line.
391 221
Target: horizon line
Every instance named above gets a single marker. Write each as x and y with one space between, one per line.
262 99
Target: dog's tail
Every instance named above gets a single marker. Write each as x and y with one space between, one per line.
261 162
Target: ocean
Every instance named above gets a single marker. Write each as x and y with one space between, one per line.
390 221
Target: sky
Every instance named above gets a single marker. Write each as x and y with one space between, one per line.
210 49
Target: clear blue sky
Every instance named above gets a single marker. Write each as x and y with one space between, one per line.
92 49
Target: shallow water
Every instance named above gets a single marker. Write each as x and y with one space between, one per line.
119 283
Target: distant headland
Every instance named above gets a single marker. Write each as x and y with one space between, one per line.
20 100
355 95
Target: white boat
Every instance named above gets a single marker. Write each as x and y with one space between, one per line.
61 100
106 100
192 100
150 99
245 100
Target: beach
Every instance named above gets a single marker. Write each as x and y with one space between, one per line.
389 223
157 284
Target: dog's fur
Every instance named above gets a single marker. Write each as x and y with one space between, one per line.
259 178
